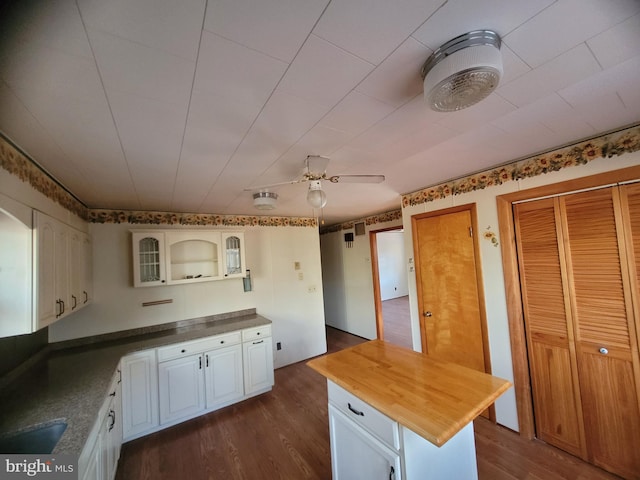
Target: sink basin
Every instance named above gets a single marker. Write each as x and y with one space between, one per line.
40 439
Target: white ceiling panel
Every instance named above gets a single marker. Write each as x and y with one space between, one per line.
618 44
356 113
410 118
397 79
173 27
566 28
183 106
372 29
559 73
553 112
275 27
457 17
323 73
133 68
228 69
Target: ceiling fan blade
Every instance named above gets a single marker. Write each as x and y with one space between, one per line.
271 185
356 179
316 165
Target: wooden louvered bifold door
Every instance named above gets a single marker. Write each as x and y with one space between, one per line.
579 282
558 412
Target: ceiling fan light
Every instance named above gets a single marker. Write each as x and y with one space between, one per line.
265 200
316 196
463 71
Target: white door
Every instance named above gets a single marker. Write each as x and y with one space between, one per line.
223 373
139 394
357 455
181 386
258 365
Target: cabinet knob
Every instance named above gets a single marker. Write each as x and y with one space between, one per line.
182 351
426 314
603 351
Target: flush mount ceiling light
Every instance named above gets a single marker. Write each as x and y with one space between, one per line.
316 196
463 71
265 200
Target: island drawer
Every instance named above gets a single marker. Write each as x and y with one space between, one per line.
372 420
198 346
256 333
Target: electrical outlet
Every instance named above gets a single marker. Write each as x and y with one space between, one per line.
300 276
278 346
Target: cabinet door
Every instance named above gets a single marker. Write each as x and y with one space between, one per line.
223 376
76 270
233 254
139 394
181 387
87 269
51 256
356 454
257 357
93 469
148 259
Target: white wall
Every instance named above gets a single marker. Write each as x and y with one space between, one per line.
295 306
392 267
491 258
348 281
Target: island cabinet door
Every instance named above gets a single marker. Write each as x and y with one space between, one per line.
358 455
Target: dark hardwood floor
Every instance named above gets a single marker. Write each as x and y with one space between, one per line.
284 434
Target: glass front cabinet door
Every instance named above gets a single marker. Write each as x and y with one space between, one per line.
233 254
148 259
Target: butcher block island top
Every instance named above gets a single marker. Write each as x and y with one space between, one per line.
435 399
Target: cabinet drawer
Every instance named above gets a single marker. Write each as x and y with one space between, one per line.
198 346
365 415
256 332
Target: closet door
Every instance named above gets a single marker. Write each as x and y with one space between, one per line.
548 324
604 327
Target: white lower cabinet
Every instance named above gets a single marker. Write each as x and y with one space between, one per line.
181 387
209 373
366 444
139 394
99 458
257 357
223 376
358 455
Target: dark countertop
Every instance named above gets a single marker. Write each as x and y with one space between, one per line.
72 383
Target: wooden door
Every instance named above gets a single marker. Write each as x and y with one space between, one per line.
578 303
549 331
606 342
449 297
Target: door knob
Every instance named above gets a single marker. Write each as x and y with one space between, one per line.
426 314
603 350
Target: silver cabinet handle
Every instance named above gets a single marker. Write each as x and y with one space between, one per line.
603 351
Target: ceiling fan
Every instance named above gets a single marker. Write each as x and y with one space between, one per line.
315 173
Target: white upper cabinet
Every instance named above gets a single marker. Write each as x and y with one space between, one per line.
173 257
61 263
148 259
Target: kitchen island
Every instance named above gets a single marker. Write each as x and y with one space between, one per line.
410 415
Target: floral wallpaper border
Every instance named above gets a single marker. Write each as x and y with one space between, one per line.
168 218
372 220
606 146
18 164
15 162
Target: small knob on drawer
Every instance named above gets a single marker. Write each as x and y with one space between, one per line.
182 351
